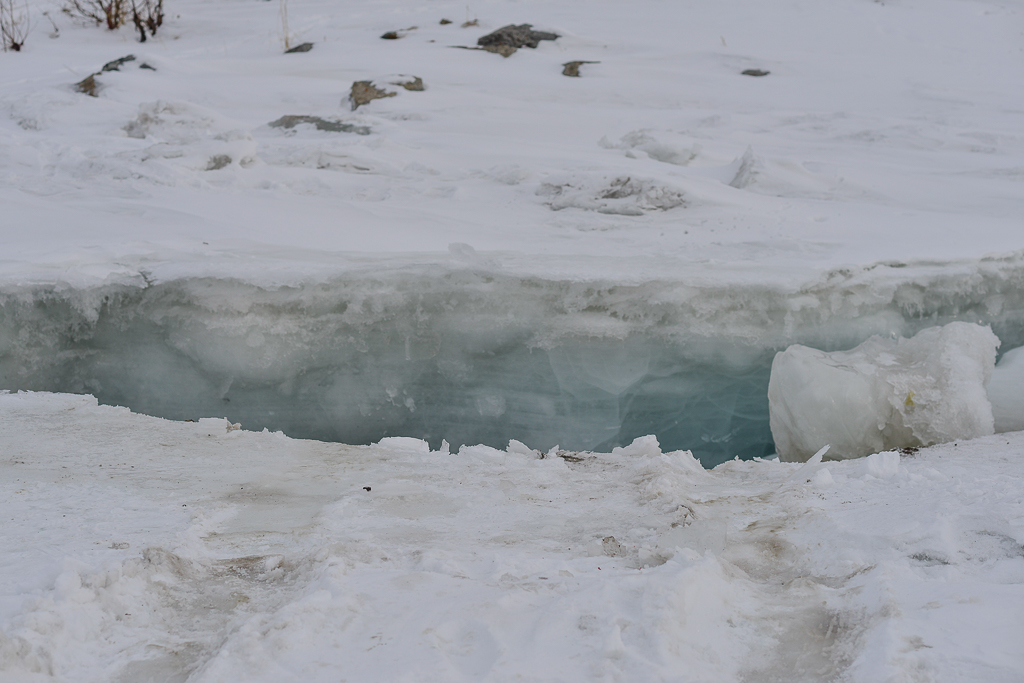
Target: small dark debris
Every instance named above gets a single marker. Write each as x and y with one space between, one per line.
909 450
513 37
364 92
217 162
147 66
929 559
573 68
117 63
327 125
88 85
400 33
445 22
467 24
366 488
755 72
305 47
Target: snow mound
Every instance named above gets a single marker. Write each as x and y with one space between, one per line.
884 394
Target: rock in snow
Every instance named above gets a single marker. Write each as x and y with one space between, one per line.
883 394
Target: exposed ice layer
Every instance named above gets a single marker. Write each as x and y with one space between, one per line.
1006 392
884 394
473 356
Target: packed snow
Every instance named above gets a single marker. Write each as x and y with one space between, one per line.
145 549
518 304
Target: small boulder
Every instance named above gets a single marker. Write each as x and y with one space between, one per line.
305 47
508 39
364 92
118 63
573 68
88 85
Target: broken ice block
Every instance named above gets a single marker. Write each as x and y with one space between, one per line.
883 394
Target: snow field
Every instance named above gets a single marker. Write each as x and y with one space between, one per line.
200 551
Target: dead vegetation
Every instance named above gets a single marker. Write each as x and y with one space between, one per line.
146 15
14 25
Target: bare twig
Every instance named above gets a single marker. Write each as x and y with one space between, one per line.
284 25
112 13
147 15
14 25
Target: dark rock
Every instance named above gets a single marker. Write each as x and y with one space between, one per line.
391 35
305 47
755 72
327 125
573 68
364 92
445 22
117 63
514 37
147 66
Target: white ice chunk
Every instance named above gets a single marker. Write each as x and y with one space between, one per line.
884 394
1006 392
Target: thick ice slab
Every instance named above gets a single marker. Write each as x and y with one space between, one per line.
885 394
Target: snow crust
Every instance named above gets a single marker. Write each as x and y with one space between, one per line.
884 394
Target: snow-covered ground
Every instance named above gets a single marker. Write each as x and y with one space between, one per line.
141 549
509 253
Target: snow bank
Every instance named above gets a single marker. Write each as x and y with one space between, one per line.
884 394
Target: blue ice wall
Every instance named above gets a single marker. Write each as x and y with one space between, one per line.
470 357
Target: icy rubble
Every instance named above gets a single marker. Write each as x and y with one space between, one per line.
884 394
469 353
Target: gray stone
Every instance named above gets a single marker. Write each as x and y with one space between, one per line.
573 68
513 37
327 125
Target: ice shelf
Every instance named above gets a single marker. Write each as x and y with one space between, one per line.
473 356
